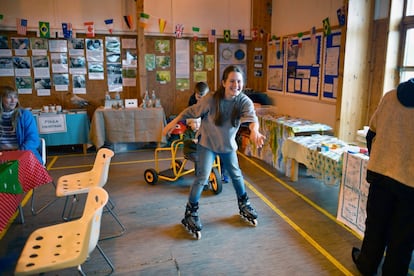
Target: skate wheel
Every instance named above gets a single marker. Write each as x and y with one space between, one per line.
197 235
254 222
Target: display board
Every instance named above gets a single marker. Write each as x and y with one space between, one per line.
303 65
276 62
331 60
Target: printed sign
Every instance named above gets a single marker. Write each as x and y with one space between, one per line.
52 123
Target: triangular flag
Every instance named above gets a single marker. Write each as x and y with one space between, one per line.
90 29
143 20
44 29
179 29
212 36
326 27
196 30
109 24
21 26
1 17
313 34
67 30
341 15
161 24
300 35
226 35
128 21
254 33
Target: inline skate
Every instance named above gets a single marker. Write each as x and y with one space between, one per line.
191 221
247 212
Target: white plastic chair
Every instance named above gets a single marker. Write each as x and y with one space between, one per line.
80 183
67 244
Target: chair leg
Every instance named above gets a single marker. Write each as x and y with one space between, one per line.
71 209
123 228
41 209
21 214
108 261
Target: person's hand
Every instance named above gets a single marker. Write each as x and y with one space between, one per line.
166 131
257 138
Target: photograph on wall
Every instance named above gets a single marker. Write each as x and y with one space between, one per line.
61 82
6 67
198 62
163 61
22 66
42 86
200 46
200 76
58 45
4 42
20 45
114 75
163 76
150 62
95 70
77 65
59 62
24 85
79 84
162 46
182 84
39 46
40 66
129 58
129 76
113 49
76 46
209 62
94 49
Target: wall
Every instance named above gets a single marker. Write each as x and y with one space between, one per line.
288 19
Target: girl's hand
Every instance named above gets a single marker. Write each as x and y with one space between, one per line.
257 138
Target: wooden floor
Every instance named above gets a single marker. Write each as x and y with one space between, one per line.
297 233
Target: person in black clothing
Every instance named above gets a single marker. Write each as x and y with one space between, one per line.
200 90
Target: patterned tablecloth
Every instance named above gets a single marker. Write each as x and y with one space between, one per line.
277 129
31 174
325 165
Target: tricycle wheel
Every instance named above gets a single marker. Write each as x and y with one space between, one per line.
151 176
215 181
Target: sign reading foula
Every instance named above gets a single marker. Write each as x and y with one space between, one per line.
52 123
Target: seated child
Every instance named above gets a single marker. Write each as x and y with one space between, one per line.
191 140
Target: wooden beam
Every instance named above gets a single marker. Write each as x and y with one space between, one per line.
141 51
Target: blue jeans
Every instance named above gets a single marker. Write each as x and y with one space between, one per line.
204 164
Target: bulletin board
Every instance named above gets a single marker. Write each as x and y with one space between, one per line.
332 45
303 65
276 61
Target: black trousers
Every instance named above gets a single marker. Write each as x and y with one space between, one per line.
389 227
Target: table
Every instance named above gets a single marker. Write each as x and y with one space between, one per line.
77 130
277 128
31 174
324 165
353 192
127 125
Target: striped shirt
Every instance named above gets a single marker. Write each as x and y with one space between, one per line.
8 137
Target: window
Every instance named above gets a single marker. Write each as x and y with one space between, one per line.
407 60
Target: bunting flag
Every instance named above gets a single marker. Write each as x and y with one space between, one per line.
226 35
67 30
90 29
161 24
179 30
128 21
143 20
44 29
1 17
341 15
300 43
326 27
212 36
196 30
240 35
21 26
109 24
254 34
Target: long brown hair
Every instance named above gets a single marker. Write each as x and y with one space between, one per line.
220 94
